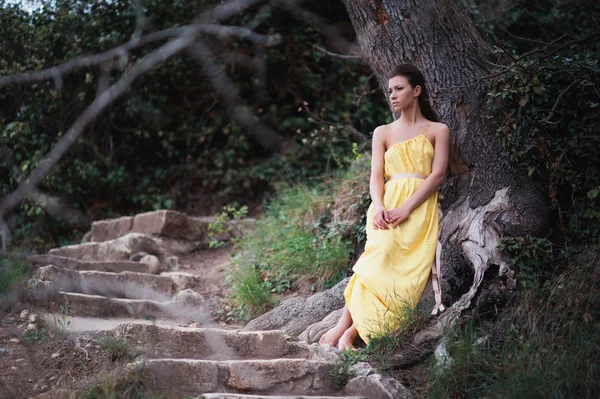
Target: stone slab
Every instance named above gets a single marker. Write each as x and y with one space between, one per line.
113 285
104 230
208 343
101 266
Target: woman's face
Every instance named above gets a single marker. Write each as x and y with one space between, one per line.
401 93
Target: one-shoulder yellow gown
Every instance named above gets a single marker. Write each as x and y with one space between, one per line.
391 274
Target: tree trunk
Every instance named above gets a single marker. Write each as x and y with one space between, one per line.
496 197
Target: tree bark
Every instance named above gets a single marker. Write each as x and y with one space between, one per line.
496 197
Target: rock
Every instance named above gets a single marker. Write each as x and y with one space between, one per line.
179 246
195 325
172 224
362 369
296 314
442 357
14 340
314 332
14 368
4 351
31 327
182 280
87 237
119 249
104 230
55 355
326 353
136 257
375 386
172 263
189 296
24 314
153 262
33 318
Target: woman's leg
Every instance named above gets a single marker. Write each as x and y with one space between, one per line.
332 336
346 341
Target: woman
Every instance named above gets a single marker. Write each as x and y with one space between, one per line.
402 220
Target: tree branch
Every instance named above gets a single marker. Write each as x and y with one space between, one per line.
226 89
121 51
91 112
341 56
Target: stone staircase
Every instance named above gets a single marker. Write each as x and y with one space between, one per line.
129 278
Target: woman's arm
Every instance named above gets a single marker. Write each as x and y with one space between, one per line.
431 183
376 181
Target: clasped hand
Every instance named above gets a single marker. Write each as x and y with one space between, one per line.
384 219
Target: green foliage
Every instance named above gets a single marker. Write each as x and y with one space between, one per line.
548 110
131 383
341 372
12 273
117 348
170 139
293 246
468 372
532 257
251 294
224 224
38 336
406 321
546 345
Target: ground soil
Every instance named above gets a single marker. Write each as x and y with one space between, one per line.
36 362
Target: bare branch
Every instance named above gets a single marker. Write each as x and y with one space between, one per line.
140 19
341 56
562 93
52 205
185 38
226 89
91 112
122 50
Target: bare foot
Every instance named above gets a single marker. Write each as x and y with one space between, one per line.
332 336
346 341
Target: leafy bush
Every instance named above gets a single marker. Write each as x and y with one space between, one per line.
171 140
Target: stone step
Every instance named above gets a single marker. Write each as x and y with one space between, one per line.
180 377
87 325
209 343
101 266
119 249
243 396
100 306
165 223
113 285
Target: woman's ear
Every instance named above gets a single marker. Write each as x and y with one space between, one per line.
417 91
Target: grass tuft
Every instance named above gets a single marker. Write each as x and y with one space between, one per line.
547 344
117 348
12 273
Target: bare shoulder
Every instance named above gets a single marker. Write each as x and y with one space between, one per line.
439 128
380 133
439 131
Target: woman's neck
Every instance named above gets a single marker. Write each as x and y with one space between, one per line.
411 115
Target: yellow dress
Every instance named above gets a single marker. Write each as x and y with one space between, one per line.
391 274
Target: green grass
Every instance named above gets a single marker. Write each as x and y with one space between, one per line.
117 348
12 273
546 345
290 247
134 383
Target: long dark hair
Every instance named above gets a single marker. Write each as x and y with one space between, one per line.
415 78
